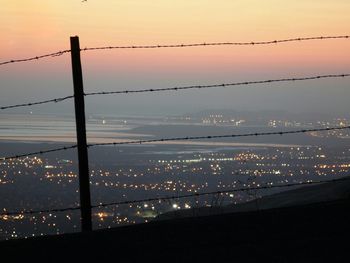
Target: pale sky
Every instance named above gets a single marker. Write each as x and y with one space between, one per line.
35 27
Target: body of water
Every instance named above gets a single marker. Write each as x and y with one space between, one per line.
61 129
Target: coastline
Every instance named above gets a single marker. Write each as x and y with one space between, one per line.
71 139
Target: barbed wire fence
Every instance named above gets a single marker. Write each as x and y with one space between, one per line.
181 88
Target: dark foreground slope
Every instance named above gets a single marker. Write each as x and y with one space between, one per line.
309 233
302 195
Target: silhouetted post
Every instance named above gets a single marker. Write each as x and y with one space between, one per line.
84 177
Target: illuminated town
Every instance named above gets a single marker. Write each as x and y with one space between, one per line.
40 183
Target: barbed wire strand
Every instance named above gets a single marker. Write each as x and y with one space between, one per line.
17 156
56 100
208 137
55 54
164 198
218 192
219 85
36 103
251 43
30 212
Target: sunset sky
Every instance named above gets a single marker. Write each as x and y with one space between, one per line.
34 27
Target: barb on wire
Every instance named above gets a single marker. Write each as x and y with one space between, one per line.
223 85
251 43
37 153
36 103
55 54
208 137
164 198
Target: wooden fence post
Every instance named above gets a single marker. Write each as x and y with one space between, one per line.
84 176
